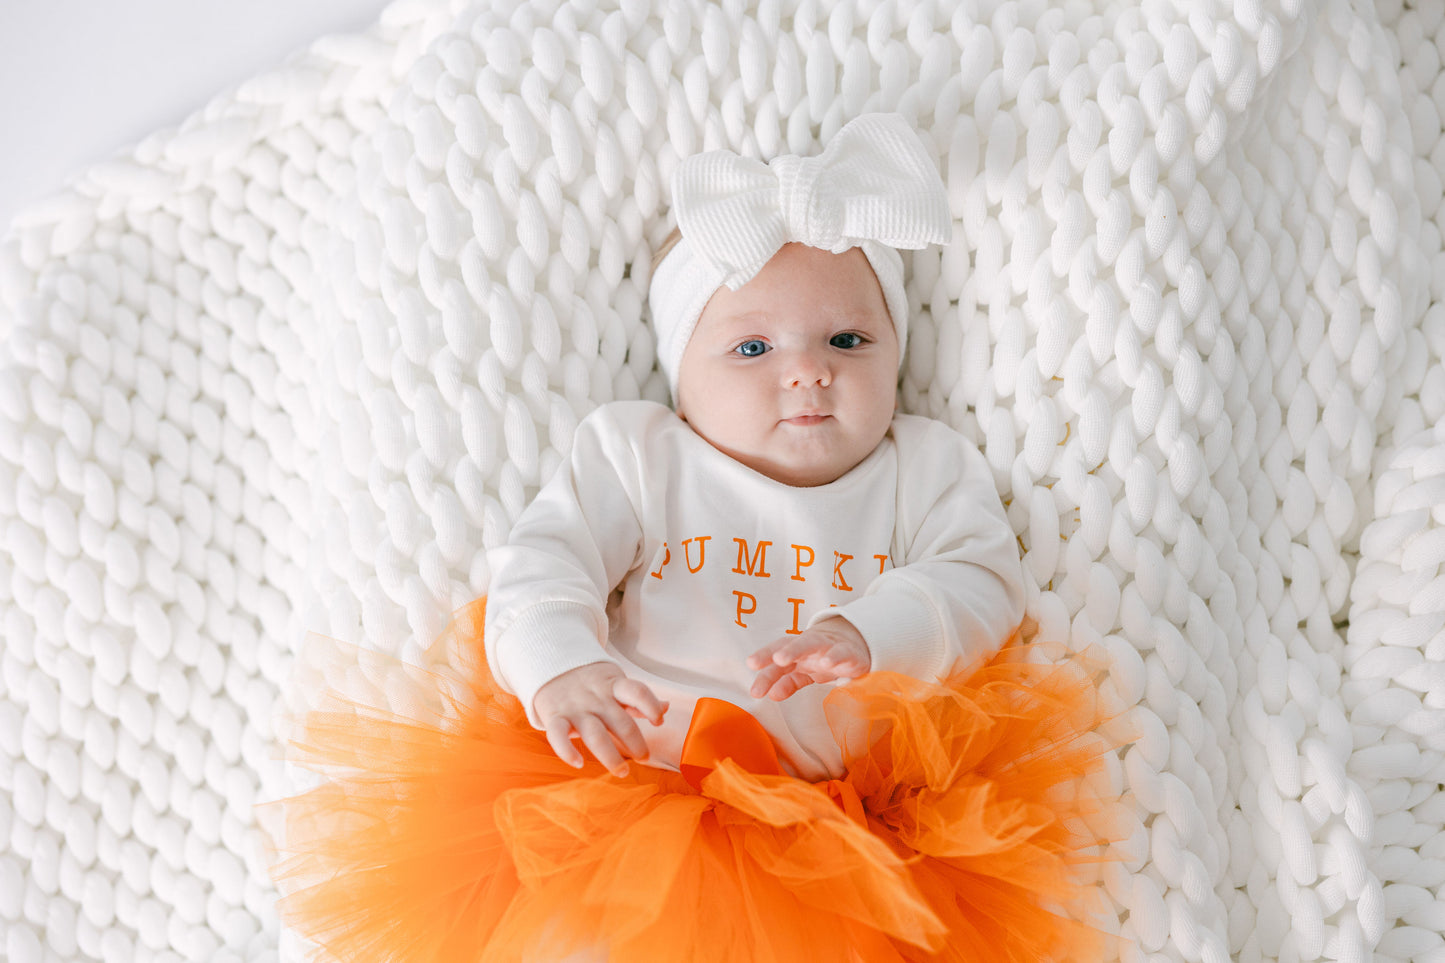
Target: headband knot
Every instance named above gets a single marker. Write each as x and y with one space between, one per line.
874 187
797 177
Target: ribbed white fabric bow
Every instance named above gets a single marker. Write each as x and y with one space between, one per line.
873 182
874 187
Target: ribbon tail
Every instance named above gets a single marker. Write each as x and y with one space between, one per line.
720 730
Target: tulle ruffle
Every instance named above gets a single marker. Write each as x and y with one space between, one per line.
449 831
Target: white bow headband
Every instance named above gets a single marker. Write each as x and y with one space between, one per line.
874 187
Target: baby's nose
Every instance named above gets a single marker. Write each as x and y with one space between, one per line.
808 368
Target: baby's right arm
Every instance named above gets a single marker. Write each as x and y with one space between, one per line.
547 623
597 704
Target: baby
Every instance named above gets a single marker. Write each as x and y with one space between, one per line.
718 571
784 528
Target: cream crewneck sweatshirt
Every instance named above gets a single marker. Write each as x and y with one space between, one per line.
651 549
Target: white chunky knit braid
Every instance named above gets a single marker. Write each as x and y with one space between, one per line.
291 366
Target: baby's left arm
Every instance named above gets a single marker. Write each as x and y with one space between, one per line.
956 592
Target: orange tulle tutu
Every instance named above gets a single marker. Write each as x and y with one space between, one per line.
453 833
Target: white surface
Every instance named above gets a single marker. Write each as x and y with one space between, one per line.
80 80
1185 309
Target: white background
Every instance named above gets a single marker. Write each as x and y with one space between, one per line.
80 80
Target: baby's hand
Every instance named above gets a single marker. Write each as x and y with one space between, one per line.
830 650
597 704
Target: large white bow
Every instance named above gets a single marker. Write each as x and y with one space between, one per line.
873 182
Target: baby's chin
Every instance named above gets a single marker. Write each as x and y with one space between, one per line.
802 469
807 458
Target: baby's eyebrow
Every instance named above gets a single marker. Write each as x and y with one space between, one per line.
749 316
759 322
730 327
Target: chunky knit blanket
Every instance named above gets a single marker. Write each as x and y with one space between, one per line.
294 364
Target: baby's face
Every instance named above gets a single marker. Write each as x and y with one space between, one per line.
795 373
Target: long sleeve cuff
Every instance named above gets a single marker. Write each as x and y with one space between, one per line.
543 642
903 634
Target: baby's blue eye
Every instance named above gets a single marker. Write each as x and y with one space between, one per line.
752 349
847 339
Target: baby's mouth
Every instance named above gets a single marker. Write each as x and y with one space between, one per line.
806 419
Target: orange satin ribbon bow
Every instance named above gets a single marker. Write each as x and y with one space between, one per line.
720 730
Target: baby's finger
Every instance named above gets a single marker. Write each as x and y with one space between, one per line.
786 651
625 732
639 700
788 684
598 741
766 679
764 656
559 737
798 649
